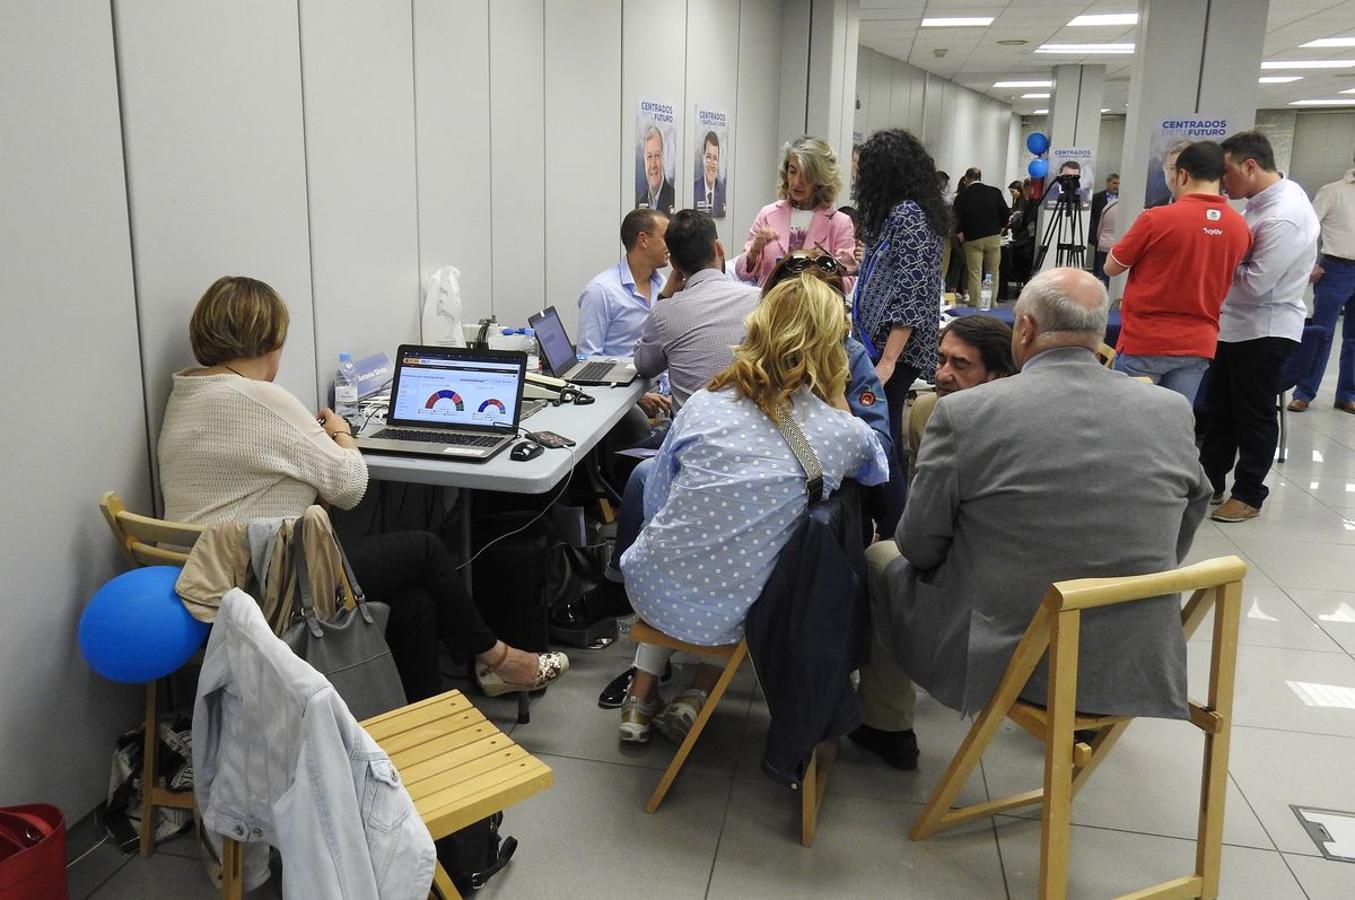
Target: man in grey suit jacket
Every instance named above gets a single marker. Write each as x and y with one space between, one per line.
1066 470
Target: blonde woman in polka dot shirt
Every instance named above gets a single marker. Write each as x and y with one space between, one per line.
726 492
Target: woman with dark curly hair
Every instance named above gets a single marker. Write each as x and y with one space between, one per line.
898 295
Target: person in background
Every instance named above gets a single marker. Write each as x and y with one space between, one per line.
1007 484
1180 258
904 223
1260 324
708 193
235 446
725 448
1099 201
804 216
657 193
980 216
1022 227
859 251
1017 193
943 185
1334 292
974 350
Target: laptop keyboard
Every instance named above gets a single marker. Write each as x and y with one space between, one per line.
593 371
439 437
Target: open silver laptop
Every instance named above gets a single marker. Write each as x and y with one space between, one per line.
559 358
452 402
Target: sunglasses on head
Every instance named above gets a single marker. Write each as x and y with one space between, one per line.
798 264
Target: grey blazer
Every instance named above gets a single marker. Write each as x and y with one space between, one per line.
1067 470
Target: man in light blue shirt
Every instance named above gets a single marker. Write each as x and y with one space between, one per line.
614 305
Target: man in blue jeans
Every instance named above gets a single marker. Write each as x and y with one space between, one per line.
1333 292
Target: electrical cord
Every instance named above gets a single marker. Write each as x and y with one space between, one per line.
564 485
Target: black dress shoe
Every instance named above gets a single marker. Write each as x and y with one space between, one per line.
615 691
592 617
896 748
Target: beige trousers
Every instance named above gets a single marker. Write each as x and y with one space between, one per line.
887 694
980 255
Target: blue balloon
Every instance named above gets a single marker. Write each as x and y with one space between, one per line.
1037 143
135 629
1038 168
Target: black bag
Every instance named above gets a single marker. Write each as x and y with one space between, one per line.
476 853
511 577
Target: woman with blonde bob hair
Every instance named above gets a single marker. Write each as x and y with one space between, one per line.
803 217
726 491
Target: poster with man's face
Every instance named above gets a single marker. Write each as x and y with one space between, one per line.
710 184
1066 166
1172 135
655 156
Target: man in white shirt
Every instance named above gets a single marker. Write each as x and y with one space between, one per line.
614 305
1333 291
1261 322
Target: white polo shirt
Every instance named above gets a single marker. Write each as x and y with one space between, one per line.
1266 299
1335 207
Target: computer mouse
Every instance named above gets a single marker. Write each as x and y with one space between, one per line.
525 450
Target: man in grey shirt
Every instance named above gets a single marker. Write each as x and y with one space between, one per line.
692 331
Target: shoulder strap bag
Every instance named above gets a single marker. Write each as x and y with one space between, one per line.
804 453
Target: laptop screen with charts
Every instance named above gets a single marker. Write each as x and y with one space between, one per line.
449 401
559 356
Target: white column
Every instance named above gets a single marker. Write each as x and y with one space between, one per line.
1074 121
819 49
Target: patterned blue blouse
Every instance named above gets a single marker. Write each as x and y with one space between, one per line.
900 284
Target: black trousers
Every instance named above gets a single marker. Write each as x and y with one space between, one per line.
412 572
886 501
1243 425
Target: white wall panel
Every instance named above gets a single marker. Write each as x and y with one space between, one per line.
795 45
518 157
358 82
757 144
584 110
68 354
712 80
211 94
653 54
1323 143
451 93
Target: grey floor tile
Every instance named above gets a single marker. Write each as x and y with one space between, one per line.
589 836
1270 618
1299 564
568 722
1276 768
85 876
862 850
1291 690
1149 783
1323 879
862 774
1105 863
1332 611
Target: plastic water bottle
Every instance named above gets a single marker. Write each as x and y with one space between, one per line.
346 388
986 292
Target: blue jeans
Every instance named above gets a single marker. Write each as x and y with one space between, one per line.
1178 373
1334 293
631 517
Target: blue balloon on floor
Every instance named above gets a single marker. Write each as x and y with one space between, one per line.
135 629
1038 168
1037 142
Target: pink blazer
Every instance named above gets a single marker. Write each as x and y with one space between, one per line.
829 228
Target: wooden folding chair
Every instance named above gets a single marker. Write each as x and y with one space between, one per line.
1106 354
1217 584
145 541
816 776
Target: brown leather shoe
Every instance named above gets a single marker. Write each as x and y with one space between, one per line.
1346 406
1297 405
1235 511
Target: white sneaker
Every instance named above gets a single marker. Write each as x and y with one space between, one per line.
635 719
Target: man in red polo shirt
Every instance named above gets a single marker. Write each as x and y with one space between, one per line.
1180 260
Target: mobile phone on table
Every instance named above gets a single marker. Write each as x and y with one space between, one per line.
551 439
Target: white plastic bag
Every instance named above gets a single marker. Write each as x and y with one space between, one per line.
441 324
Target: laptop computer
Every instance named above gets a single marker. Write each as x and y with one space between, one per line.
560 359
452 403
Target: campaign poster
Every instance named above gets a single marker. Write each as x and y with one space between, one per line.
1071 164
656 154
1171 135
710 184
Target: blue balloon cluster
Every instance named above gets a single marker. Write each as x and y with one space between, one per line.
1038 168
1037 143
135 629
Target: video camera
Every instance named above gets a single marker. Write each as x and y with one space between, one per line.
1069 184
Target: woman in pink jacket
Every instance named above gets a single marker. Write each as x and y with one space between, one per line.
804 217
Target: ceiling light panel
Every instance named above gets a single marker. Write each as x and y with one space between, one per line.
1035 96
1279 79
1107 19
1086 49
1331 42
1308 64
958 22
1023 84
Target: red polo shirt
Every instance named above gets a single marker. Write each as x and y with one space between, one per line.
1181 259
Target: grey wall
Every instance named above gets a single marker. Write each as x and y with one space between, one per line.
69 361
340 152
1324 144
960 127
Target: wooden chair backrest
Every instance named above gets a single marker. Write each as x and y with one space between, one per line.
1106 354
146 541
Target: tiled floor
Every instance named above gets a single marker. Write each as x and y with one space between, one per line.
725 831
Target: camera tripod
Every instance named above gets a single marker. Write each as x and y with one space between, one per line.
1067 210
